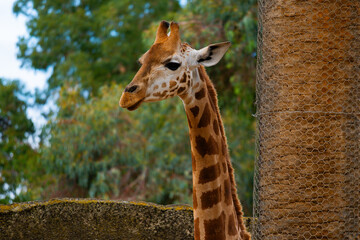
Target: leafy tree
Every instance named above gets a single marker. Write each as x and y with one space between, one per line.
95 149
87 42
18 160
208 21
100 150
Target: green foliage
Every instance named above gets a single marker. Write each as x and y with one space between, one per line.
112 153
95 149
18 160
85 41
209 21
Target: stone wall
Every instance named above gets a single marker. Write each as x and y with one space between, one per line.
95 219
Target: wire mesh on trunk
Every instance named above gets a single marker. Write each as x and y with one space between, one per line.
307 179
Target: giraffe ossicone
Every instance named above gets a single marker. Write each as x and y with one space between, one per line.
172 68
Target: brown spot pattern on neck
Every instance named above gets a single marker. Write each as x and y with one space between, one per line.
205 118
210 198
214 182
204 146
195 111
200 94
215 228
209 174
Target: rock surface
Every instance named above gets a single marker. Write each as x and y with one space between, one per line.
95 219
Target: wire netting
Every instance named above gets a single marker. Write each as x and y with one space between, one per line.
307 177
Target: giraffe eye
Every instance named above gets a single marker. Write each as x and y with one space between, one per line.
172 65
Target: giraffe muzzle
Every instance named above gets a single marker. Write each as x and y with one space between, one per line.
131 99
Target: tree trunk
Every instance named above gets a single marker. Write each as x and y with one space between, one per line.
307 183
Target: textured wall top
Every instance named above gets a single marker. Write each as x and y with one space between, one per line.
95 219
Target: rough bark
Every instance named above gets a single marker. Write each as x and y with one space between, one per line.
308 99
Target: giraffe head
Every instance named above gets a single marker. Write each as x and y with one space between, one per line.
166 68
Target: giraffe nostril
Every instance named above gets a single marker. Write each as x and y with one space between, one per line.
131 89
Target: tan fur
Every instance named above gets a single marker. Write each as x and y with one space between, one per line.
214 188
213 95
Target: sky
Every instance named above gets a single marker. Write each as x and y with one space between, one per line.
11 28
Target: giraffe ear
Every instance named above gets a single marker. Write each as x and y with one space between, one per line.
211 55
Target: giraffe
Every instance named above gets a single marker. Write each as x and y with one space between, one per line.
172 68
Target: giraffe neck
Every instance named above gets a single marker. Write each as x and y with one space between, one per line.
217 210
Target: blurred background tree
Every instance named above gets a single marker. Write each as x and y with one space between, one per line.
92 148
100 150
87 42
19 168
